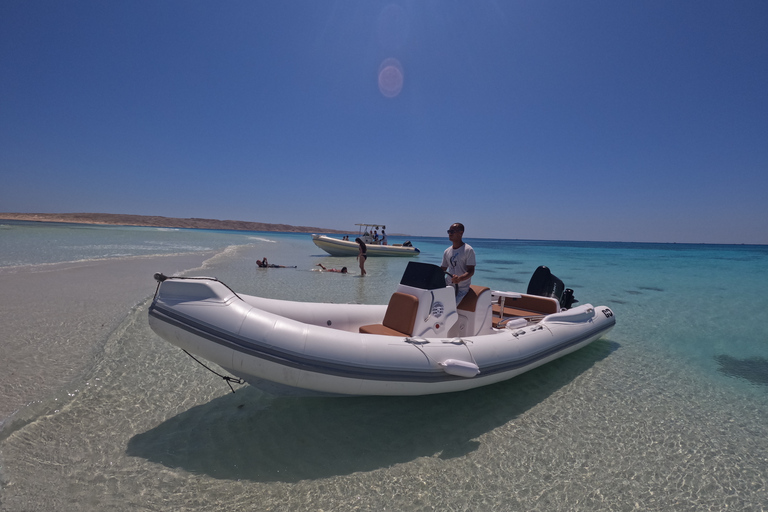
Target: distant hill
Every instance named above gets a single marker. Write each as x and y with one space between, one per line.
161 222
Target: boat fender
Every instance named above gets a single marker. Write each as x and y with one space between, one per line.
460 368
516 323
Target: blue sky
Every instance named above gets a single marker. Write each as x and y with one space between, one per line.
591 120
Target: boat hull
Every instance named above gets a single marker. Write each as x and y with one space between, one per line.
336 247
309 348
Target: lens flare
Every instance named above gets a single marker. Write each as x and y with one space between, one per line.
390 78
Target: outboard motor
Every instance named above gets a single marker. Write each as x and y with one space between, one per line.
544 284
568 299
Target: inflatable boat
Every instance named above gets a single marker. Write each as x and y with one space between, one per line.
375 245
337 247
420 343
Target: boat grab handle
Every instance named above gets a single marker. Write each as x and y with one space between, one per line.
431 304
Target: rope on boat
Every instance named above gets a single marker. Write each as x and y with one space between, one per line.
417 342
160 278
229 380
461 341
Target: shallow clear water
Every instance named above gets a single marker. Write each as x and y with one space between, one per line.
669 412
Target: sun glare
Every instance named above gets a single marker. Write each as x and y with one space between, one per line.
390 78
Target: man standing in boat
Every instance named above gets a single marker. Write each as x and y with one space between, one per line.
458 261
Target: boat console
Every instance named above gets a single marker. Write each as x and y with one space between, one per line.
424 306
436 311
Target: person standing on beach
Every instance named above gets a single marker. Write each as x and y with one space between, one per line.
362 255
458 261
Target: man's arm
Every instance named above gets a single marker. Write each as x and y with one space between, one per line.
466 275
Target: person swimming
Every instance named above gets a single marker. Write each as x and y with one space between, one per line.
265 264
342 271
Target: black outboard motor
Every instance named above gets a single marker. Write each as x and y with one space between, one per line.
544 284
568 299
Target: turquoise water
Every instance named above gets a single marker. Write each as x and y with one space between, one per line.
669 412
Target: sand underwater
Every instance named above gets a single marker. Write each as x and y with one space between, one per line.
101 414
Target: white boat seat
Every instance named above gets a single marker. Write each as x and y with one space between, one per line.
399 318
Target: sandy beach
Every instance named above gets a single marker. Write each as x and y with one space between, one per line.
58 316
114 219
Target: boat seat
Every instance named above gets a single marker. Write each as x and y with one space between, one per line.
399 318
469 302
524 306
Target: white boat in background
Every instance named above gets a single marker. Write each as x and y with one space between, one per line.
420 343
376 246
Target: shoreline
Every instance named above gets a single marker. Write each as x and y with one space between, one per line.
153 221
87 313
113 219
